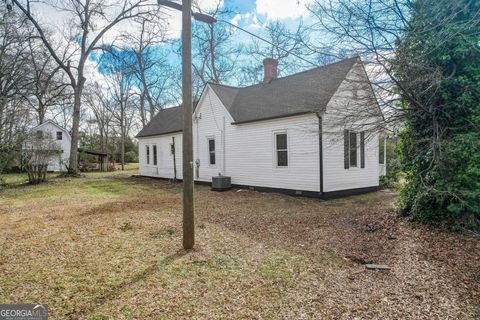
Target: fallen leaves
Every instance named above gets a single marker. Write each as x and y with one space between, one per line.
106 246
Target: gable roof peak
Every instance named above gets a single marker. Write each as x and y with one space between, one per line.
302 92
308 91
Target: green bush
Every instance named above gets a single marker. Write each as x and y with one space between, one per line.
393 164
131 157
449 191
440 145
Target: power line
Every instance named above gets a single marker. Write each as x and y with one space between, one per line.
267 41
212 20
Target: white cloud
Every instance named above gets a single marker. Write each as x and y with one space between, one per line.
57 20
282 9
206 5
236 19
174 22
248 20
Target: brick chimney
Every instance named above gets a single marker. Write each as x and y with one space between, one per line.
269 69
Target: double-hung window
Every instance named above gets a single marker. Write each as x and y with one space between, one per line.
211 151
381 153
154 147
281 149
147 148
59 135
351 147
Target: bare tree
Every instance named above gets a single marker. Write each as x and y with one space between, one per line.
101 107
283 44
120 82
149 63
90 21
214 53
14 71
48 86
371 29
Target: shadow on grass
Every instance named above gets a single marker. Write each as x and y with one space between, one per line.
115 291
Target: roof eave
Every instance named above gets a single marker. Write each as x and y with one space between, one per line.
275 117
157 134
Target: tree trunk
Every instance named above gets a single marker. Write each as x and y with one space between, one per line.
122 130
102 141
146 92
123 151
73 162
212 54
2 108
152 111
41 112
143 113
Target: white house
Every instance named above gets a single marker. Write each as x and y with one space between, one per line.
59 136
305 134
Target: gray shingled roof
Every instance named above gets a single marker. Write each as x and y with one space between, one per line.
308 91
304 92
167 120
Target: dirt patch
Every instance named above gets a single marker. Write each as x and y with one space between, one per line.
132 204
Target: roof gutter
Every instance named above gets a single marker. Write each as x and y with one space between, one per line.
274 117
157 134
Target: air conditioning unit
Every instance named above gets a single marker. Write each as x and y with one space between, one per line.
221 183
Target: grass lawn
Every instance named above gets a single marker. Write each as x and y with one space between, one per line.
108 246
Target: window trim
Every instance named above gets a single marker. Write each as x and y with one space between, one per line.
209 152
275 150
360 148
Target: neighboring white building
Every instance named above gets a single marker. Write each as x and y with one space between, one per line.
305 134
51 130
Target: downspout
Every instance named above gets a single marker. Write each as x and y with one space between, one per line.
197 161
223 147
385 155
174 160
320 151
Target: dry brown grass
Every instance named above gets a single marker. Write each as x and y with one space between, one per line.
108 247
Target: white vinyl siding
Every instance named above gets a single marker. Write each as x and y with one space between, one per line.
210 119
248 152
251 153
335 176
164 167
50 129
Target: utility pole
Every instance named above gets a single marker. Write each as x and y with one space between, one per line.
187 143
188 208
